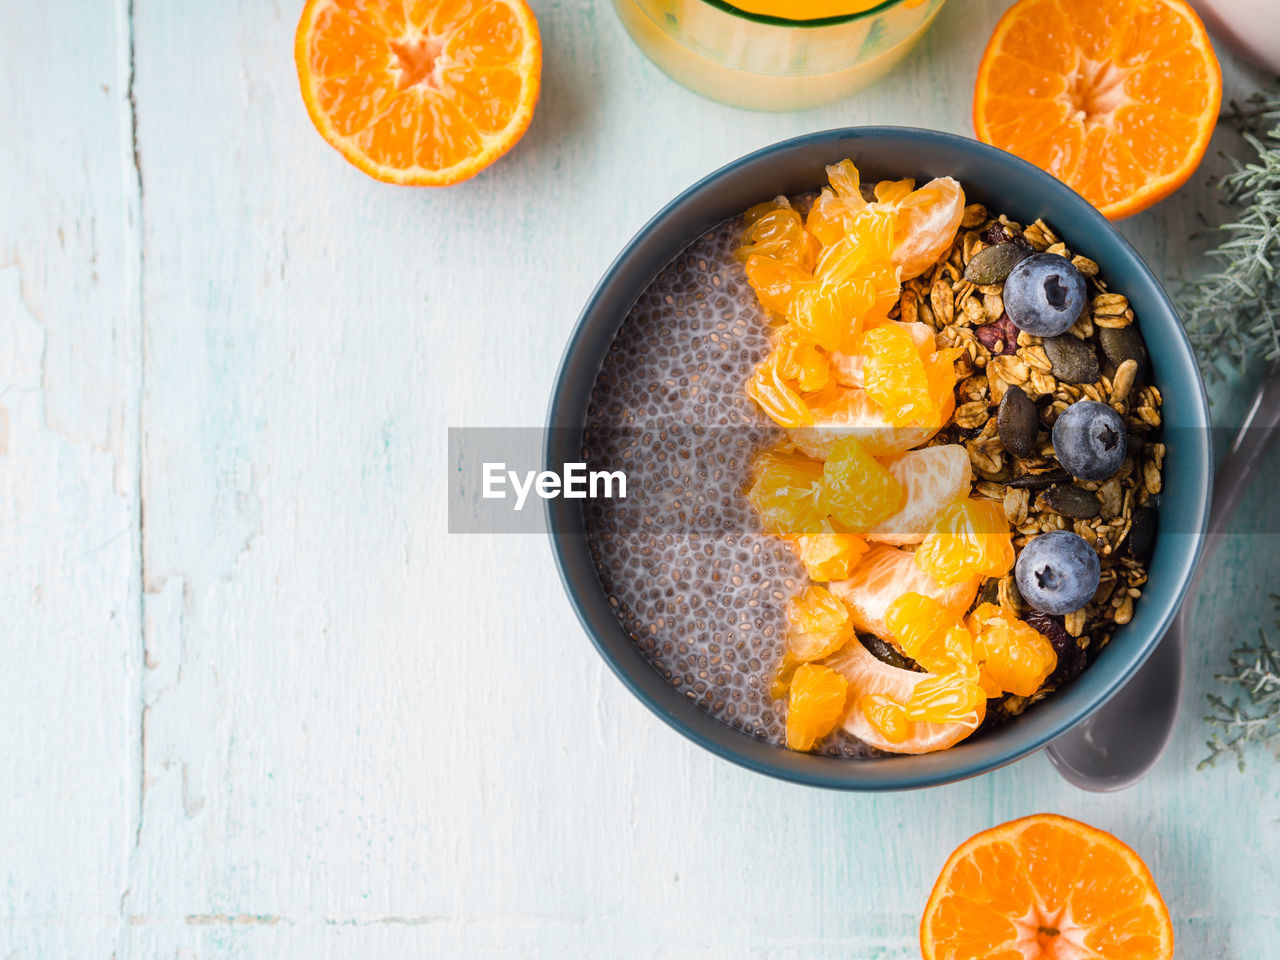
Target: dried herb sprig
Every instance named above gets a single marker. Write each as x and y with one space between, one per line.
1233 313
1253 715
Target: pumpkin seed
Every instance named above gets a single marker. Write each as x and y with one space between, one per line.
1017 422
1072 501
1037 480
1142 534
887 653
993 264
1124 343
1073 360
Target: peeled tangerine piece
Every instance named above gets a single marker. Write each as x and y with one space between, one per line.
775 230
894 376
833 213
859 490
840 412
928 219
799 360
969 539
817 624
776 395
830 556
874 684
926 222
997 650
1013 653
933 478
775 281
788 493
794 368
815 704
885 574
950 698
930 634
827 313
912 385
864 252
847 368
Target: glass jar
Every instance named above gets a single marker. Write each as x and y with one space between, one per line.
766 62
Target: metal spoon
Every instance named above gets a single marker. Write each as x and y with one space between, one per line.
1119 743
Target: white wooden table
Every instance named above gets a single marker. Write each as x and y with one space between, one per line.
255 701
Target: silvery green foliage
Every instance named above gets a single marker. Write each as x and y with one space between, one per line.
1232 314
1251 719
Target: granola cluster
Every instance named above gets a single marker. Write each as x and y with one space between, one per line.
1107 363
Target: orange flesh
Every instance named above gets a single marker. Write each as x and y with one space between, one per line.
425 93
1045 888
1118 100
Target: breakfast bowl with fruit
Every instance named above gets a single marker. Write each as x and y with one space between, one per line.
917 458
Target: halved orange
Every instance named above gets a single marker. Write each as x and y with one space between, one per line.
420 92
1045 887
1116 99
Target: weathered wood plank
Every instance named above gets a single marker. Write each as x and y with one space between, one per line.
69 542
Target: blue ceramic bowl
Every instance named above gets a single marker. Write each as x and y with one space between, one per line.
1006 184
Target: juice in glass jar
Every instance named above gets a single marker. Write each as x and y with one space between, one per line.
776 54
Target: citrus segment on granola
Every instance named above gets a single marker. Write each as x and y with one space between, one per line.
830 556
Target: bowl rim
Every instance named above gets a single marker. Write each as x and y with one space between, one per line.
583 589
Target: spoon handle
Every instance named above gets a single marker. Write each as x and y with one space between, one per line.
1242 460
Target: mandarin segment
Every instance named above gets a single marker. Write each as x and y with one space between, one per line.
886 715
919 625
869 677
946 699
928 219
774 281
814 706
933 479
778 396
884 575
859 489
789 494
830 556
775 230
894 376
817 624
835 414
1012 653
970 538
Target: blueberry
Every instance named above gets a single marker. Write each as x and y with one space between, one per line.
1044 294
1089 440
1057 572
